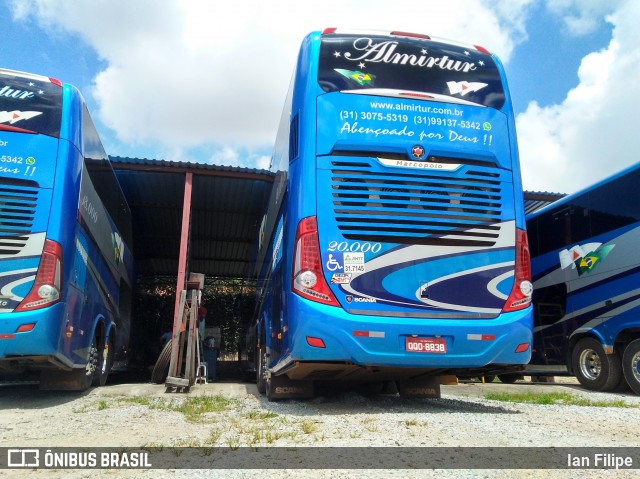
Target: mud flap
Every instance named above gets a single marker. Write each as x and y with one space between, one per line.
54 380
424 387
281 387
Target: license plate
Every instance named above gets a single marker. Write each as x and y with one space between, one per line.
426 345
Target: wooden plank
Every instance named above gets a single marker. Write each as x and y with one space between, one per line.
184 247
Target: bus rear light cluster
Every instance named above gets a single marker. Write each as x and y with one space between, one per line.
308 280
522 289
46 287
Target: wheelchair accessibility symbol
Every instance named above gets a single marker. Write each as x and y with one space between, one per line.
332 264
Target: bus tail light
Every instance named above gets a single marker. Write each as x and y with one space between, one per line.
522 289
308 280
46 287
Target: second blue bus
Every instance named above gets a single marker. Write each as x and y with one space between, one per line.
66 269
586 270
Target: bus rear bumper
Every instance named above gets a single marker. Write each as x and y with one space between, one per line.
37 346
408 342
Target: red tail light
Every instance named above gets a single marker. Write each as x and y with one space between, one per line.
308 280
46 287
522 289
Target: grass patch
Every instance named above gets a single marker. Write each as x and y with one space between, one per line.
194 407
308 427
557 398
260 415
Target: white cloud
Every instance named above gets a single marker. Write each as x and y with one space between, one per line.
185 73
582 17
593 132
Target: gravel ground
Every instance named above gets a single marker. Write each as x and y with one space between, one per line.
137 415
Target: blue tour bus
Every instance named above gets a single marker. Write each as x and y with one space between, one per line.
585 264
393 247
65 237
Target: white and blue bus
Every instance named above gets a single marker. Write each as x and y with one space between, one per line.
393 247
65 239
585 261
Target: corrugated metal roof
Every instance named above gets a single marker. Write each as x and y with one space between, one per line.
534 200
227 208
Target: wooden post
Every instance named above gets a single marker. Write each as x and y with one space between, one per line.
182 265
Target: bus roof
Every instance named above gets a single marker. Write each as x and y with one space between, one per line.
572 196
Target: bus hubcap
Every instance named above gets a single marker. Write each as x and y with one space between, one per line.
590 364
635 366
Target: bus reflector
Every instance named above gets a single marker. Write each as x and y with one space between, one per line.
481 337
522 347
315 342
46 287
522 289
482 49
25 328
307 279
369 334
6 336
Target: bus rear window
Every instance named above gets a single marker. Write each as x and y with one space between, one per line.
29 103
411 67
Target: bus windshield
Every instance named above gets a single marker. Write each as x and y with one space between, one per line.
30 103
409 67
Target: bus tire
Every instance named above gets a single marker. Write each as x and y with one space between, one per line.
83 378
161 368
631 365
509 378
261 380
594 369
104 361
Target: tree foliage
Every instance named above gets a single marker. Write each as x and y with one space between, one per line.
229 303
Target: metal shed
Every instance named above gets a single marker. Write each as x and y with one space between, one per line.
226 209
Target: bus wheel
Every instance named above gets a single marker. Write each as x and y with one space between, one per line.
631 365
509 378
85 376
103 362
594 369
261 381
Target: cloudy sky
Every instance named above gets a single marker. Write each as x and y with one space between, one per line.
205 80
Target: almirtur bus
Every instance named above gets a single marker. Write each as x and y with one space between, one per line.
394 245
586 269
65 239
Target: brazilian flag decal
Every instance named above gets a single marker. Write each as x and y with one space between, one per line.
360 78
589 261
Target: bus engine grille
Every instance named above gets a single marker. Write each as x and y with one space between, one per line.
17 211
418 207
